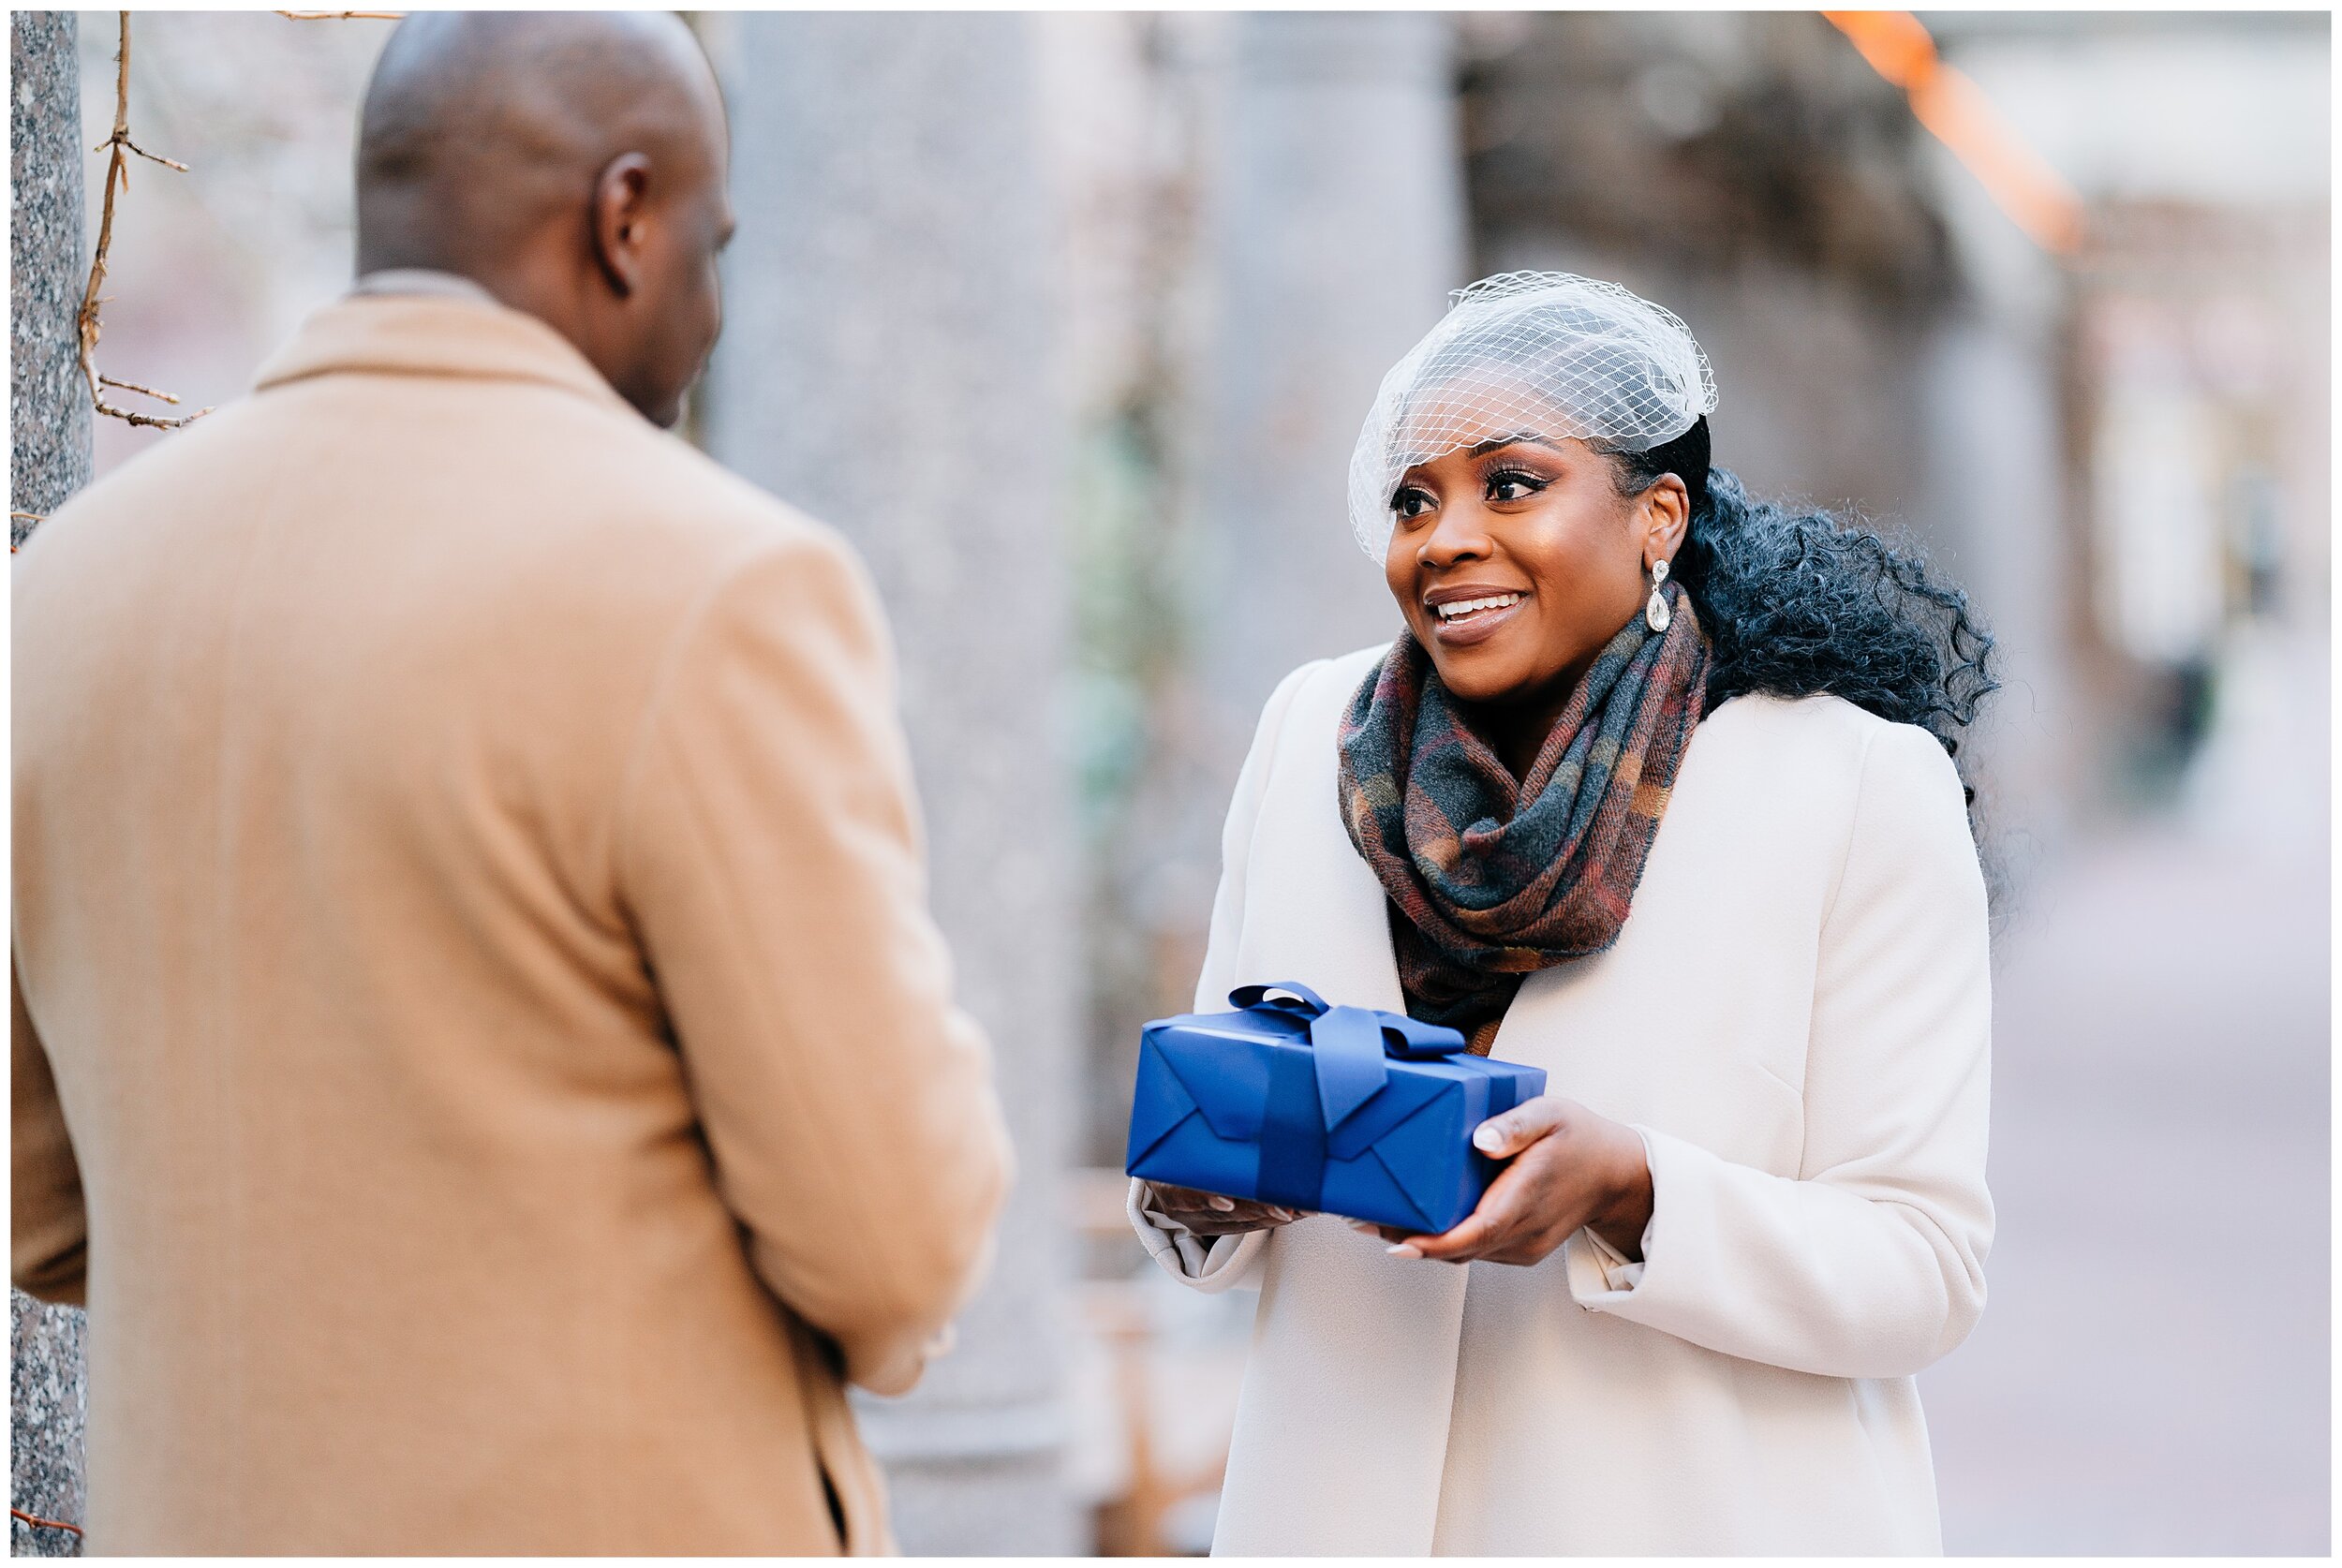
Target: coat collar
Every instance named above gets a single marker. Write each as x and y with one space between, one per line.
434 334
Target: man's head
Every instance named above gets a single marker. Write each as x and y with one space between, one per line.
570 163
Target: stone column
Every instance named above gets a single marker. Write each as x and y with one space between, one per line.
1336 226
48 458
1996 491
1332 226
887 365
1994 494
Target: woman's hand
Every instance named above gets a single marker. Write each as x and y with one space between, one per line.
1570 1168
1209 1214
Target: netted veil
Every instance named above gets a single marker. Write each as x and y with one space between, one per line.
1548 354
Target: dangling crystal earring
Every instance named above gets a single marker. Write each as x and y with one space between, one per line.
1656 614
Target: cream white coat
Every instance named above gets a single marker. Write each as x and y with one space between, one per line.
1796 1018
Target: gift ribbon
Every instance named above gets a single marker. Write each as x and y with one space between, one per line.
1309 1096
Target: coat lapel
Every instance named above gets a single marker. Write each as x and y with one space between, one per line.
1342 1432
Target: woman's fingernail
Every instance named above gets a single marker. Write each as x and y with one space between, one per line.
1488 1140
1407 1249
1223 1204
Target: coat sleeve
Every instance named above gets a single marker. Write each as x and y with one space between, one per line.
768 852
47 1229
1214 1264
1870 1265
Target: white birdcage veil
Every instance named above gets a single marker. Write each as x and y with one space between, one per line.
1548 354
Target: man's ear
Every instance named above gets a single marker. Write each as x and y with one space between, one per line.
621 202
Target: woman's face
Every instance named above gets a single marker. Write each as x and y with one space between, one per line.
1518 560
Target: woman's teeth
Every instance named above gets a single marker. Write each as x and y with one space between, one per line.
1456 610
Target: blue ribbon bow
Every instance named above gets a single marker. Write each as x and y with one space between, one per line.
1311 1096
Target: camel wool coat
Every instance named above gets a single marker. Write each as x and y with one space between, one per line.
1795 1018
480 1049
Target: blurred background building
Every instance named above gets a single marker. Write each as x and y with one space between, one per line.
1069 320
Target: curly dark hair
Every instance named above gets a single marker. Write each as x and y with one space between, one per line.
1798 603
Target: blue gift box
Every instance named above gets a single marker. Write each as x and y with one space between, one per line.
1336 1110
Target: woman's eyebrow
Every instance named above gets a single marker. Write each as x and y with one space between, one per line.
1496 443
1525 437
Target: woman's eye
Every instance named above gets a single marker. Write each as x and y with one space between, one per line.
1411 502
1513 485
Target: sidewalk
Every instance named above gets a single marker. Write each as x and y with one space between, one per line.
2152 1373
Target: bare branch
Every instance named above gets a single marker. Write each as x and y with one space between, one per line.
157 157
34 1519
148 421
118 179
133 386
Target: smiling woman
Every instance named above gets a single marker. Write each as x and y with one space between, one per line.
1516 627
1656 792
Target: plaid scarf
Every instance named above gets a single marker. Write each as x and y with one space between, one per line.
1490 878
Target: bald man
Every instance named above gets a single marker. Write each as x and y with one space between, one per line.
480 1049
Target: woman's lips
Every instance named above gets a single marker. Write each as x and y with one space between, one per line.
1465 630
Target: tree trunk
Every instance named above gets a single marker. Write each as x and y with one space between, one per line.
48 405
47 460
